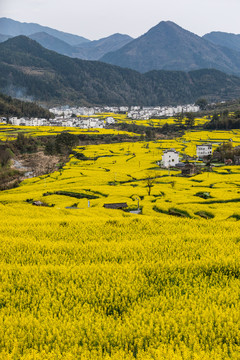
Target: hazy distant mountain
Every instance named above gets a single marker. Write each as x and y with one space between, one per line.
94 50
4 37
15 28
228 40
29 70
63 43
52 43
168 46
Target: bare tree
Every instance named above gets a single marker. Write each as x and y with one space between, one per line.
149 184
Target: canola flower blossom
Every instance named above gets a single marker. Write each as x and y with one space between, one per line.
10 132
81 282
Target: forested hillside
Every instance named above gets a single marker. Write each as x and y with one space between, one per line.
29 70
14 107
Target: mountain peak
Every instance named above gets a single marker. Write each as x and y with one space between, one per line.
167 46
24 44
168 27
22 40
167 23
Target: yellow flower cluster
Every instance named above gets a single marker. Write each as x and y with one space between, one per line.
81 282
78 285
10 132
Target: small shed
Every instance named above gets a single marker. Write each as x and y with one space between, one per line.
38 203
236 160
228 161
189 170
115 205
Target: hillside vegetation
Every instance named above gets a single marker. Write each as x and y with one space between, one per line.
14 107
29 70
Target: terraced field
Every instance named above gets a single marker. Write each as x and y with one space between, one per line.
85 282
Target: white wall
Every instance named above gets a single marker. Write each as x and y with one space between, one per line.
170 158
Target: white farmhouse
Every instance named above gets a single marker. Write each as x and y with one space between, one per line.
123 108
67 123
110 120
170 158
204 150
14 121
29 122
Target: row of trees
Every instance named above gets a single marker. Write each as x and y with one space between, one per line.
224 121
226 151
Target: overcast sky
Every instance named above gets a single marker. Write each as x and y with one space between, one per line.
94 19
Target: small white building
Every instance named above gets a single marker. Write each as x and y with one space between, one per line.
204 150
3 120
110 120
170 158
123 108
67 123
14 121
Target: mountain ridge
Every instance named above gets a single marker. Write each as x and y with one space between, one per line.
95 49
63 43
14 28
33 72
229 40
167 46
52 43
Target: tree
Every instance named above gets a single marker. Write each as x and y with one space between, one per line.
24 144
65 142
150 133
179 119
5 156
226 151
50 148
225 113
149 184
237 114
202 103
190 119
215 117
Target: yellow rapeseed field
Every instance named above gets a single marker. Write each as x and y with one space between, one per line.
85 282
10 132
